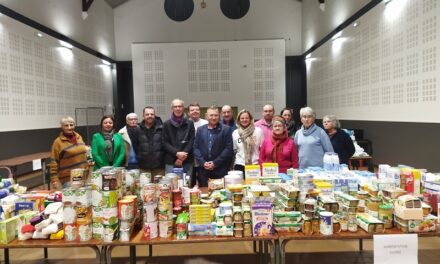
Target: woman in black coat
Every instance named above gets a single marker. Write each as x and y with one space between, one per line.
341 141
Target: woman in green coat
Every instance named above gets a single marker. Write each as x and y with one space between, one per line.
108 148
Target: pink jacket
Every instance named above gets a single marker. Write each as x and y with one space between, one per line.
287 159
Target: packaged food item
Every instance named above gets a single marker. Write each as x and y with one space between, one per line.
77 177
369 223
326 223
182 226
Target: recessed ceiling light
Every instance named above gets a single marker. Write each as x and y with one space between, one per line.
66 45
356 23
38 34
337 35
106 63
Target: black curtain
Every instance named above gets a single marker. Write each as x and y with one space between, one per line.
296 85
124 100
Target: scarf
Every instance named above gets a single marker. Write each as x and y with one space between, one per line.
277 141
248 142
108 145
71 137
177 120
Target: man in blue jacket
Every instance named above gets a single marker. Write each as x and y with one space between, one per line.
213 148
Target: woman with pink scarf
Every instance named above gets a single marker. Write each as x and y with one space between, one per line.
279 148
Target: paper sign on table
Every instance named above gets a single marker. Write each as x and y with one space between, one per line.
391 249
36 164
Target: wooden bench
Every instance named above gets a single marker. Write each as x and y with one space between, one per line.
14 163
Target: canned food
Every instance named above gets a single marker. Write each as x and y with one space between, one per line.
126 209
96 180
83 215
77 177
177 198
110 216
83 196
165 228
144 178
70 232
85 232
150 212
352 223
98 231
109 180
148 193
69 214
194 196
151 230
124 235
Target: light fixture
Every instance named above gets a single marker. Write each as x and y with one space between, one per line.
337 35
386 1
308 56
106 63
38 34
66 45
356 23
203 4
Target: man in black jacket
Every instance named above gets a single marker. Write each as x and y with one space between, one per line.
178 139
148 143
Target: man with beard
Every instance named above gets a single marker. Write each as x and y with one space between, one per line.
148 143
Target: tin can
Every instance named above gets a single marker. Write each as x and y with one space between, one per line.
109 199
97 198
165 228
181 231
164 194
307 227
96 180
150 212
85 232
126 209
148 193
186 198
124 235
386 215
83 196
69 214
109 180
97 214
194 197
110 232
144 178
151 230
135 202
110 216
98 231
326 223
165 211
157 178
77 177
70 232
69 197
83 215
177 198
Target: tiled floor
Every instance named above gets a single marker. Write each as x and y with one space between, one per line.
332 252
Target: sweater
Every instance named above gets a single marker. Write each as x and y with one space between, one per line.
343 145
312 143
239 148
286 160
100 156
66 156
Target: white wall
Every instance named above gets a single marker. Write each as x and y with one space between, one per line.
316 24
64 16
386 69
146 22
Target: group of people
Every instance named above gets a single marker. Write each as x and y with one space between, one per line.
204 148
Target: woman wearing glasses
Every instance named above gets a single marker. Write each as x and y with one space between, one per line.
279 147
312 141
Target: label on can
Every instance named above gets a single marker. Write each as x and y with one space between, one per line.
144 178
326 223
97 198
151 230
69 215
150 212
194 197
85 232
148 193
70 232
110 216
98 231
96 180
109 199
83 196
165 228
125 209
69 197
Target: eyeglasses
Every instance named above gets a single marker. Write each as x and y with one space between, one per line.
307 116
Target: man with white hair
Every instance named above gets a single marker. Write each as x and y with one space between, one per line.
127 132
178 139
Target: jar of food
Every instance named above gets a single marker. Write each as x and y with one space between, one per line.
386 215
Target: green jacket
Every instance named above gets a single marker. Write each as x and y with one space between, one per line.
99 155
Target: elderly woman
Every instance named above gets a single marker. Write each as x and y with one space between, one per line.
287 114
68 152
312 141
279 147
247 139
341 141
108 148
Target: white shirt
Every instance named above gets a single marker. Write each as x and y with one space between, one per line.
258 138
200 123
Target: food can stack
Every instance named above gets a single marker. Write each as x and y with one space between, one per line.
149 210
77 213
165 209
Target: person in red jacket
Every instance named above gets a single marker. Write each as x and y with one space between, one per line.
279 147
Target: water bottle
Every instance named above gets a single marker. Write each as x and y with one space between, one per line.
335 162
327 160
